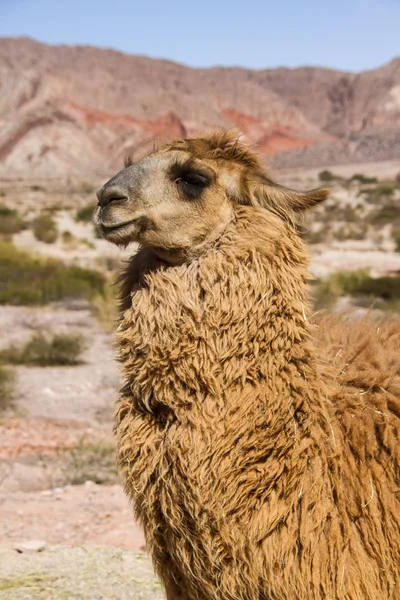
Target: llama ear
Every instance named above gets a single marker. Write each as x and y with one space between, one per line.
284 201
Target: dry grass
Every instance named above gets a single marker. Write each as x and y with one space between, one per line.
27 280
44 350
7 388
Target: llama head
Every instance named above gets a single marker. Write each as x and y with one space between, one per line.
181 196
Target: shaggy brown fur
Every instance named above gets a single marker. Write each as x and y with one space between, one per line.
260 467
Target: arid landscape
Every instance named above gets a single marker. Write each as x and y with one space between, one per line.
62 134
60 120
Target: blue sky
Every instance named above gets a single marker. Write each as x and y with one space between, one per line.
345 34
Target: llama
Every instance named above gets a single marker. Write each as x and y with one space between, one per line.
261 464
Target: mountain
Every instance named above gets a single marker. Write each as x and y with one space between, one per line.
77 110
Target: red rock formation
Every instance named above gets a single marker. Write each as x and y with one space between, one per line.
67 109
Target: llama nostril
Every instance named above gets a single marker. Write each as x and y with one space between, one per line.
110 194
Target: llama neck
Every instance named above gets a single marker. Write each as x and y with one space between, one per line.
233 319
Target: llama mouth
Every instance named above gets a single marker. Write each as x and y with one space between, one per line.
113 228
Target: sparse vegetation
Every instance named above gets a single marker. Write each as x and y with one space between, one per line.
386 213
363 178
85 214
383 189
364 290
67 237
45 350
315 236
7 387
26 280
104 307
327 176
387 288
90 461
45 228
352 232
10 221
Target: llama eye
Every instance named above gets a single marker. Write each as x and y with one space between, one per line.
192 184
193 179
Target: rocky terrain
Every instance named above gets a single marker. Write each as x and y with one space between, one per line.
74 111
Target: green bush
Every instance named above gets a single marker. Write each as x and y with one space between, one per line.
67 237
85 214
45 228
358 284
60 349
384 189
363 178
387 288
325 293
28 280
10 221
7 386
327 176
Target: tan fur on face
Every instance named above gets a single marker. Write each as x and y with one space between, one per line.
260 453
177 230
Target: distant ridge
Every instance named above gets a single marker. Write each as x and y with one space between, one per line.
74 110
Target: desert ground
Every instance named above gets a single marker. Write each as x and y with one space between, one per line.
59 488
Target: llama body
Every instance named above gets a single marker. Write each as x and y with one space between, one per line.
263 464
233 454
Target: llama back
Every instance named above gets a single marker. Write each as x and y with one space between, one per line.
363 354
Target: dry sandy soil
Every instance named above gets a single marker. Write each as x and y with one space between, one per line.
59 426
58 410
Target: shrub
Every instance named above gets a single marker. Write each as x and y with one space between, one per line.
104 307
315 236
10 221
28 280
363 178
85 214
91 461
55 208
342 283
384 189
45 228
7 385
387 288
67 237
359 285
60 349
327 176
